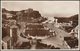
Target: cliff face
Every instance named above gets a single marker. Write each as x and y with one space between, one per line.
28 15
74 19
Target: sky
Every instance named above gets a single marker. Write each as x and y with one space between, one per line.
46 8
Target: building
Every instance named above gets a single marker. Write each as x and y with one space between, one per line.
68 23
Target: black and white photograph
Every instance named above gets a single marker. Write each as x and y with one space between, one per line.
40 24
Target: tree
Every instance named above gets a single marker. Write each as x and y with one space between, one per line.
4 10
4 16
35 14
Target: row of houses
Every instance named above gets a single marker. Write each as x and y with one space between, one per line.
67 22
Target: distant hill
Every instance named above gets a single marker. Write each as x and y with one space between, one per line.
73 18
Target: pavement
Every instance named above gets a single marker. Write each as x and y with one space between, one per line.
58 40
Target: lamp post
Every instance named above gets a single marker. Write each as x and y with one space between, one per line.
12 36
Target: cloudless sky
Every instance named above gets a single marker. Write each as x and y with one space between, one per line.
46 8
